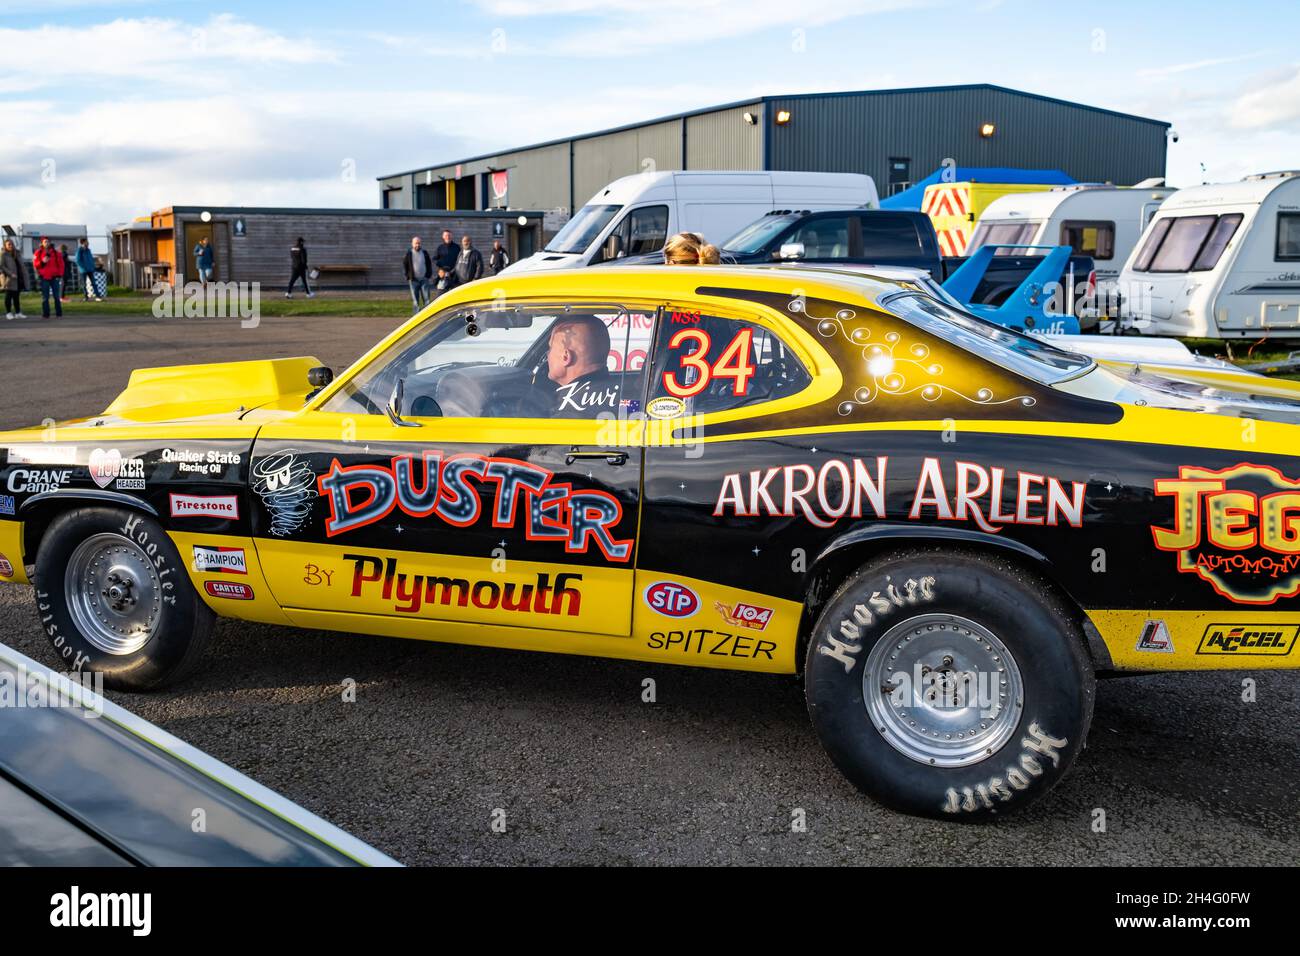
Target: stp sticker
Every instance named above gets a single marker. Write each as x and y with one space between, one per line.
1155 638
209 559
744 615
6 569
204 506
671 599
229 589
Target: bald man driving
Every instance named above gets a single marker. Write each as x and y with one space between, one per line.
577 362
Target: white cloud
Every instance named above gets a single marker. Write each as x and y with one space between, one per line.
148 48
1176 68
1275 101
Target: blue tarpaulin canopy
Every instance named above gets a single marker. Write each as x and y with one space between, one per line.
911 197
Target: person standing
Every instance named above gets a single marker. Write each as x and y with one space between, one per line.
86 266
498 258
66 281
418 268
13 279
445 256
469 262
49 269
204 260
298 264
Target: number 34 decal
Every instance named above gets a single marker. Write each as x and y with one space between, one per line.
734 363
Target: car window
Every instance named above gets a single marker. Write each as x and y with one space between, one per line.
757 234
709 364
888 237
581 231
826 238
1288 237
645 230
563 361
1094 238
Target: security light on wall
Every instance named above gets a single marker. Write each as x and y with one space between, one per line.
987 130
751 118
782 117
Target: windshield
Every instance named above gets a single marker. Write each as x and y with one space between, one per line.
1013 350
581 231
1019 232
756 235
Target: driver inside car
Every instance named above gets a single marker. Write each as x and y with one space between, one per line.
577 363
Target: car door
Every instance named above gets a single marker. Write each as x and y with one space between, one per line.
452 479
713 589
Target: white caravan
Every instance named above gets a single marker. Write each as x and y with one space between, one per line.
636 214
1220 261
1102 221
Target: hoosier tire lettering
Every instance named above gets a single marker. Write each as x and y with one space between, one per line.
1017 777
846 647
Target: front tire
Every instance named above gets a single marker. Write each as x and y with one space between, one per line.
949 685
115 598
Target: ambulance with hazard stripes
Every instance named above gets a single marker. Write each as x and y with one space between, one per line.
955 208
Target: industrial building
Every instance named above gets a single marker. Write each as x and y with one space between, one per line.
895 136
349 248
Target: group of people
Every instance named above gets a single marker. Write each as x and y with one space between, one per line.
53 267
429 276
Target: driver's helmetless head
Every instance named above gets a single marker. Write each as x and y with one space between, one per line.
578 346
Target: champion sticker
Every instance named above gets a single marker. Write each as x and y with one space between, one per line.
219 560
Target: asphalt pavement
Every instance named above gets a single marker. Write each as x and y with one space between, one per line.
443 744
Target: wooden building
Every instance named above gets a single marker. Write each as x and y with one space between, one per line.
351 248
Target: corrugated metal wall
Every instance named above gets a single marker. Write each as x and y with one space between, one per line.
859 133
723 140
645 149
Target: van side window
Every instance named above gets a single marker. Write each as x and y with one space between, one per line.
1089 238
713 364
1288 237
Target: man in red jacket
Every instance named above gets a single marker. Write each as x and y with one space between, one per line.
49 269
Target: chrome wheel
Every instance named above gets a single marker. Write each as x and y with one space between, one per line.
942 690
113 593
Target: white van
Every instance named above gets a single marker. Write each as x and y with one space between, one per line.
1220 261
1102 221
636 214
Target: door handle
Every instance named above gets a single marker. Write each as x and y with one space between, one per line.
610 457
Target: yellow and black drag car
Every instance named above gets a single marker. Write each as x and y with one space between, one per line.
947 528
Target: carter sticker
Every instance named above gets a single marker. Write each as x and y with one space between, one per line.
229 589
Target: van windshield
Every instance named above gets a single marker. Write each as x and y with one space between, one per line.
756 235
581 231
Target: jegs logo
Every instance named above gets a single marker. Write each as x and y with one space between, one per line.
1237 528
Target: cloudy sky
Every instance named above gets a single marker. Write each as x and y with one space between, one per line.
109 110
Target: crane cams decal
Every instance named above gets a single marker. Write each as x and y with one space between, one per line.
360 495
286 486
1016 777
881 605
1236 528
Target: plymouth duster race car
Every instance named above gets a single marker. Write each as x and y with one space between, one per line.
947 528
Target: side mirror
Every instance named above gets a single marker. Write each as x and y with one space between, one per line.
613 248
394 408
791 251
320 376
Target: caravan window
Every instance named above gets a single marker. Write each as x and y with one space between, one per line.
1186 243
1088 238
1218 241
1288 237
1018 233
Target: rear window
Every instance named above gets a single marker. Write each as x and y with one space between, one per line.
886 236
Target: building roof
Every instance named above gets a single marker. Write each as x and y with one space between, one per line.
757 100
